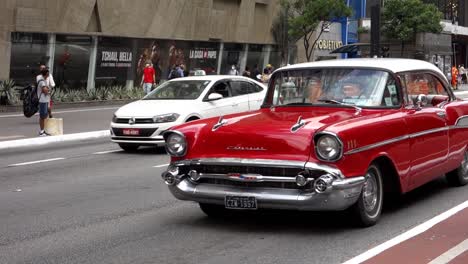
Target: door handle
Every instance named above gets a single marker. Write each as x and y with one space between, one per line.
441 114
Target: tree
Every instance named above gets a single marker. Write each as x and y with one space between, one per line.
403 19
307 18
279 30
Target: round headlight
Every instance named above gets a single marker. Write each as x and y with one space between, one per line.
328 148
176 145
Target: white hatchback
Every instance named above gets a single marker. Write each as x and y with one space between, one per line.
182 100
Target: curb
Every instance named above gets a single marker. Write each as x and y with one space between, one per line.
38 141
68 105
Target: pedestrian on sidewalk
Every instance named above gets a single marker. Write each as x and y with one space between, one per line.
149 78
49 83
233 70
462 72
255 74
43 93
246 72
454 77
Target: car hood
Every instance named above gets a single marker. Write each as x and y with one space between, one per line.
150 108
263 134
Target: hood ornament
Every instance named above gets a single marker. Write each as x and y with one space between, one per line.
221 122
299 124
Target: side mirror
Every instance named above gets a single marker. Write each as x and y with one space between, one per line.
214 97
421 101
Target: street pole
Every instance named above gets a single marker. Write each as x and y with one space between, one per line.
375 30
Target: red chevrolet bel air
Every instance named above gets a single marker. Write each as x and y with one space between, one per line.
331 135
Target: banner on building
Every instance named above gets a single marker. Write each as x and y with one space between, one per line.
115 59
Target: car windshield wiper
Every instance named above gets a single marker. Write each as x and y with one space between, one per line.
330 101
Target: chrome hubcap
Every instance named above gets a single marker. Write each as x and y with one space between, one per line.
370 192
464 166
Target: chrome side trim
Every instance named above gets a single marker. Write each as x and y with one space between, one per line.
221 122
394 140
430 131
298 125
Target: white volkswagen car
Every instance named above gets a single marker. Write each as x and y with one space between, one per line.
182 100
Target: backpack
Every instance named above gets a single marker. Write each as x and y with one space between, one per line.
30 101
174 74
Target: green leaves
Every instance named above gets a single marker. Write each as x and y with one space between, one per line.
304 17
402 19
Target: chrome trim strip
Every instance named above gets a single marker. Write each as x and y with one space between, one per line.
262 163
221 122
393 140
258 178
429 131
298 125
242 162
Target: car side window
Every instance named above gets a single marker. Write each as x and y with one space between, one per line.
391 95
222 88
240 88
255 88
418 83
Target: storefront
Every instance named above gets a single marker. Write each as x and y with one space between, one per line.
86 62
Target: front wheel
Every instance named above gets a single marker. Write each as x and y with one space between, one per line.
459 176
129 147
367 209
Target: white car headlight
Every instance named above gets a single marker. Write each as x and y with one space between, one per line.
176 144
328 147
165 118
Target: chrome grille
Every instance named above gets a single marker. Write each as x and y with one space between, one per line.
137 120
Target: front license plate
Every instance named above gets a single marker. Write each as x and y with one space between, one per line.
240 202
131 131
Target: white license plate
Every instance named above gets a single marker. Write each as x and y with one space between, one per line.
240 202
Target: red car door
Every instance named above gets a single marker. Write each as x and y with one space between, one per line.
427 130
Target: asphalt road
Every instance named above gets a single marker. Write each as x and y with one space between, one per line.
80 207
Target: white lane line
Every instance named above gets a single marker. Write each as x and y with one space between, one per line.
12 137
67 111
407 235
451 254
160 166
107 151
34 162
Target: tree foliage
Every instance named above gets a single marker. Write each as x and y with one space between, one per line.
307 17
402 19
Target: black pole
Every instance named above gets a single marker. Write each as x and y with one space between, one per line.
375 30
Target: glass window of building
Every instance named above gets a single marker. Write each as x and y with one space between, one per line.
28 51
71 62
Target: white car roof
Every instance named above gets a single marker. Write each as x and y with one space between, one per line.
393 65
214 78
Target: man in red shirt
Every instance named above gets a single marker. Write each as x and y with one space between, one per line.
148 78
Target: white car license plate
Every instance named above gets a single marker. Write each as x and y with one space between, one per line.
131 132
240 202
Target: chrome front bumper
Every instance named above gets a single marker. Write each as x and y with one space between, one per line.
341 194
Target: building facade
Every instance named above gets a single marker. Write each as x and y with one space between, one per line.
88 43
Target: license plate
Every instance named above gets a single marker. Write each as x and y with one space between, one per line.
131 131
240 202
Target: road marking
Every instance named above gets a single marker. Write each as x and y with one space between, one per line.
160 166
67 111
451 254
407 235
11 137
34 162
107 151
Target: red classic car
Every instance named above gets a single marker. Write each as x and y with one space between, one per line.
331 135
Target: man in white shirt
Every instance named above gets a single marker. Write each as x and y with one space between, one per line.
43 93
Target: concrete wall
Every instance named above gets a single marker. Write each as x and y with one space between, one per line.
243 21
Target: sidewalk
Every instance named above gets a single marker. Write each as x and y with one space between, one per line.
85 119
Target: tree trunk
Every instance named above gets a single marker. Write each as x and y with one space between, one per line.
402 48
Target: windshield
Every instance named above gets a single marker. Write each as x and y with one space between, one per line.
356 87
180 90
